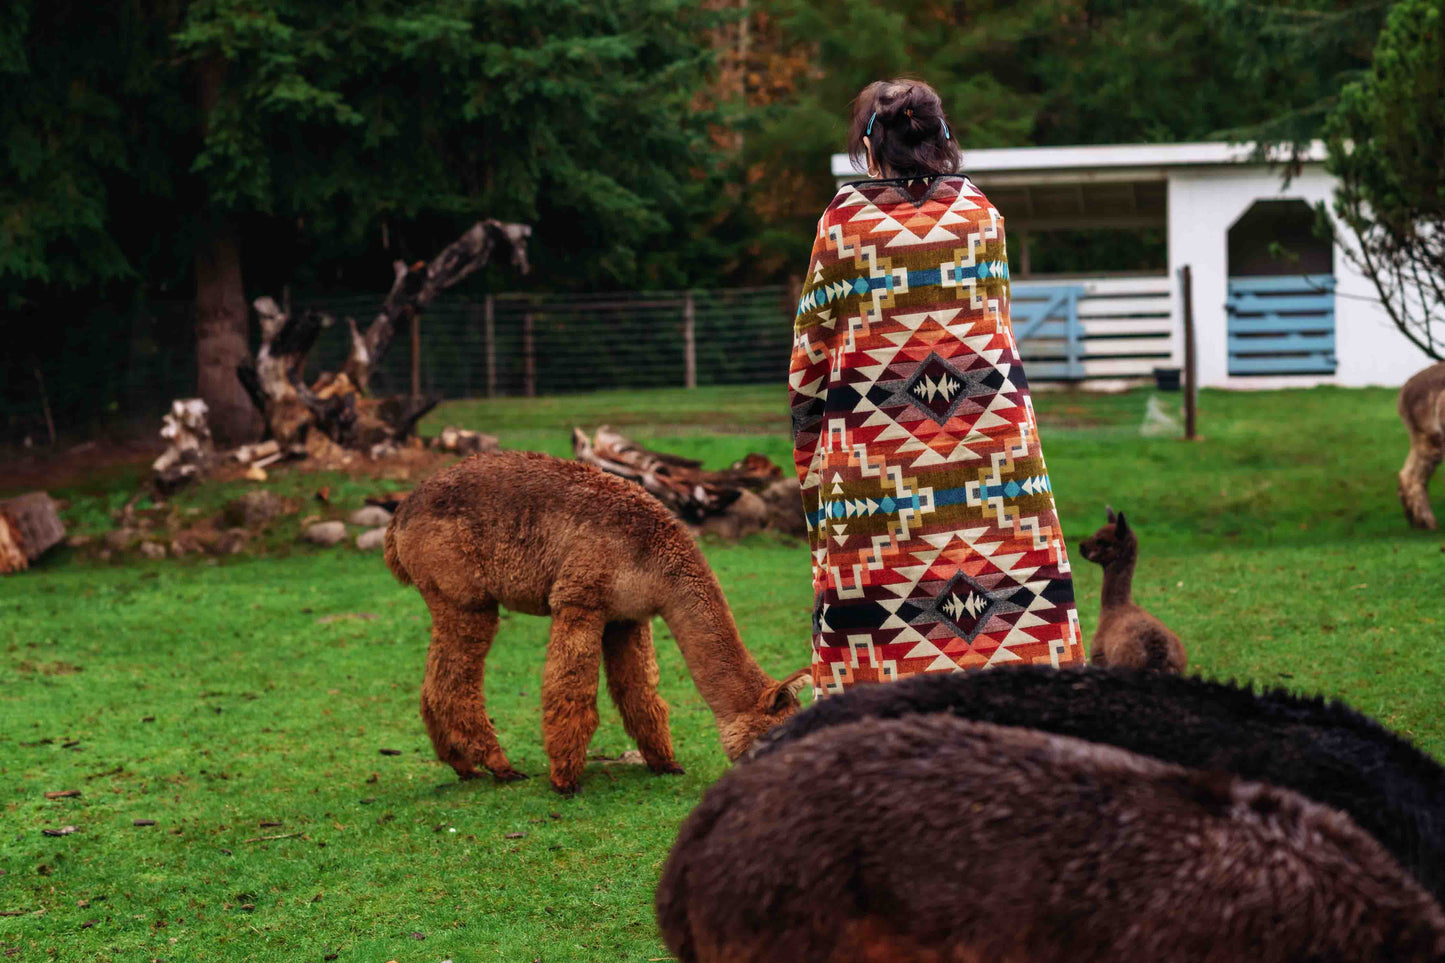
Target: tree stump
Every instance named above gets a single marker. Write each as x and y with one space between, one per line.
29 525
339 404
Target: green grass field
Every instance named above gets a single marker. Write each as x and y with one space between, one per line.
251 698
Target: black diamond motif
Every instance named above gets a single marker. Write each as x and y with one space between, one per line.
937 387
965 606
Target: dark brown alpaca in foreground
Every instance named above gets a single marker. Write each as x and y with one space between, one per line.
601 557
1422 408
1127 636
933 839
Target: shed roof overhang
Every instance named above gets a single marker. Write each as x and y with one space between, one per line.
1121 186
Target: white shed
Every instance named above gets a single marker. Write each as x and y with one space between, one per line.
1096 238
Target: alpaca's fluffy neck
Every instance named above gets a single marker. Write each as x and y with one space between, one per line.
1119 577
725 673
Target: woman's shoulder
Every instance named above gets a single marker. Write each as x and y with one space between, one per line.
872 190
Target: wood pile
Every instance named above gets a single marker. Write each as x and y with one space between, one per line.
29 525
682 484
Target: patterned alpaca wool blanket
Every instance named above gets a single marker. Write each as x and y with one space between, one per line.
930 512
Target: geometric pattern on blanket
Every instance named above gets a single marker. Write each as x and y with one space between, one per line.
935 542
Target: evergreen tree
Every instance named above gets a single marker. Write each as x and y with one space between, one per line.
290 134
1387 146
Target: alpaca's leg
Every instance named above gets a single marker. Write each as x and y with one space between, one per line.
569 692
452 702
1425 455
631 663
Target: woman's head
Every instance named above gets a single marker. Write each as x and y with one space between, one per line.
910 137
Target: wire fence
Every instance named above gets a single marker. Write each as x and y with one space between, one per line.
548 344
110 368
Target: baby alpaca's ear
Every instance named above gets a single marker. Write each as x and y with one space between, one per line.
1121 527
1109 514
784 695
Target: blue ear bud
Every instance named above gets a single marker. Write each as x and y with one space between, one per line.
869 131
946 134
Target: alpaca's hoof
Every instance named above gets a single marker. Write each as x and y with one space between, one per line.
668 768
508 775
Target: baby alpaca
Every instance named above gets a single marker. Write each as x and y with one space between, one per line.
1127 636
601 557
932 839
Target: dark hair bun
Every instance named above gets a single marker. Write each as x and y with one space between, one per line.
914 113
910 136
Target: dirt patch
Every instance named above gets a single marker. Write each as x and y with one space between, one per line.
47 668
30 469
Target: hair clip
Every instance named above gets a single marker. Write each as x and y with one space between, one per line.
946 134
869 131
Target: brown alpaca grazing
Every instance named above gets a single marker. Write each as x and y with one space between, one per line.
934 839
601 557
1422 408
1127 637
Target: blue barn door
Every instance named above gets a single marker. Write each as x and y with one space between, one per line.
1282 325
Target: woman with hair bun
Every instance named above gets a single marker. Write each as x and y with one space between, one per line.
936 547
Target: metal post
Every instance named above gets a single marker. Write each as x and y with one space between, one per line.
1191 378
415 355
689 343
489 342
529 358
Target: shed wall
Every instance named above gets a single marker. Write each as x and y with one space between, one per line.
1203 204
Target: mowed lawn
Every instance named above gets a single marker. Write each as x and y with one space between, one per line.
243 705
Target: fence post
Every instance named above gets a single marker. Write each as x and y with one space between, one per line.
529 358
689 343
415 355
1191 378
1074 335
489 342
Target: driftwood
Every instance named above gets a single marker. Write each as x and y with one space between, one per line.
338 404
29 525
189 450
414 287
682 484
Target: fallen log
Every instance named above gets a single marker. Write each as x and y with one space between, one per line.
29 526
682 484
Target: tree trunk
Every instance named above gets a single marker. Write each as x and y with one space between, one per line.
221 340
221 311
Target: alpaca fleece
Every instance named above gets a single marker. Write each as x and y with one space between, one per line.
1016 846
601 557
1324 750
1422 408
930 510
